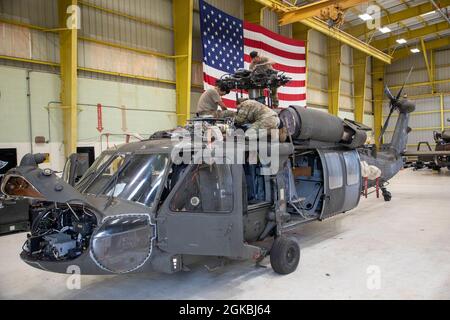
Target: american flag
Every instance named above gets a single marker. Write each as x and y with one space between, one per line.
227 43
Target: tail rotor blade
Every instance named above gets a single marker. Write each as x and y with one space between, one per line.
406 80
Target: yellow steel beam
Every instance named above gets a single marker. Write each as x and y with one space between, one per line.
425 57
182 11
334 75
322 26
433 44
359 76
314 9
41 62
378 94
415 11
421 84
413 34
112 73
432 69
138 50
276 6
67 12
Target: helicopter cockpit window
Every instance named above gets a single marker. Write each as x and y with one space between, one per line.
206 188
105 176
88 175
140 179
335 178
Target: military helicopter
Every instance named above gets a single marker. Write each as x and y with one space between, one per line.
137 210
437 159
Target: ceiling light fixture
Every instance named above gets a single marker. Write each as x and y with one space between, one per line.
415 50
365 17
401 41
428 13
385 30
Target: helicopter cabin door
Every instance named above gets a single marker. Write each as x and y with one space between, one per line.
202 215
342 181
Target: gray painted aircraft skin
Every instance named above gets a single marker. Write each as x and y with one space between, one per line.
135 210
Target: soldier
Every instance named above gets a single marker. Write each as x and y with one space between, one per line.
259 116
262 64
210 99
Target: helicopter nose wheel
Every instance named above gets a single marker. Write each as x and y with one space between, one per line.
386 194
284 255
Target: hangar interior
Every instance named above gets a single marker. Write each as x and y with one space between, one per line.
132 68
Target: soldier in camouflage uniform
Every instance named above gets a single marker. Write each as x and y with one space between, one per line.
258 115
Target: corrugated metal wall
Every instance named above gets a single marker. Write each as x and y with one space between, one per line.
317 70
270 21
432 110
153 32
317 83
26 43
442 59
346 102
108 27
104 26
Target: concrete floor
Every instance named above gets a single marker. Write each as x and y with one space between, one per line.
406 240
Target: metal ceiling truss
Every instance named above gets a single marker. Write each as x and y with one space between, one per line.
323 27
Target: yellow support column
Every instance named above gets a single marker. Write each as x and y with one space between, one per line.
182 11
427 64
359 78
378 94
68 22
334 75
300 32
253 11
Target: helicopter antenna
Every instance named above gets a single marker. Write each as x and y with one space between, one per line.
393 103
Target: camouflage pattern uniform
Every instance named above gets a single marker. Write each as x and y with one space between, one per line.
257 114
218 113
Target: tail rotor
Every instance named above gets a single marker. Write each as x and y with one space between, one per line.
394 102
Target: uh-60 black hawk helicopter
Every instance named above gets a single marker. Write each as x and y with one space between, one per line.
137 210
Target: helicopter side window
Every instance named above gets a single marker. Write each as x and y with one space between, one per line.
335 178
352 167
206 188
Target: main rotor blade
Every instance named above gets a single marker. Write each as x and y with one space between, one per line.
383 130
388 92
404 83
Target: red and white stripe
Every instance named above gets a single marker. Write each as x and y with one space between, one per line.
288 54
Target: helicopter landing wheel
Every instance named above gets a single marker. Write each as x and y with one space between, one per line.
386 194
284 255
